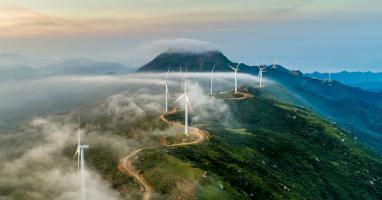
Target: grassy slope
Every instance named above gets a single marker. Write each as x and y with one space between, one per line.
105 160
274 151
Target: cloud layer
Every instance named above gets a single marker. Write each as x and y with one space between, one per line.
36 157
179 45
39 169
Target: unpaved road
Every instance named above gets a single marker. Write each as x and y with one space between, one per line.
126 165
243 96
201 135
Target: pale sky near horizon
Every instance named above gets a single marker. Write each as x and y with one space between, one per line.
322 35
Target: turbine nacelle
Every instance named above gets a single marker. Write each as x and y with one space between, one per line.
233 68
184 96
262 68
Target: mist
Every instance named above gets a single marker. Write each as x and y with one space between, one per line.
19 93
37 167
36 153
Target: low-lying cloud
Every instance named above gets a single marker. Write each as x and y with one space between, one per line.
135 104
38 168
204 107
34 157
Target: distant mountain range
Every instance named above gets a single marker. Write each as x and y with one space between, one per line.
366 80
358 110
355 109
81 66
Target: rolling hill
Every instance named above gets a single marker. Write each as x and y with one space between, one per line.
79 67
258 147
272 150
200 62
352 108
366 80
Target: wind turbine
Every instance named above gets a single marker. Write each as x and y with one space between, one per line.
165 83
235 69
186 105
261 70
78 145
330 78
81 162
274 63
212 79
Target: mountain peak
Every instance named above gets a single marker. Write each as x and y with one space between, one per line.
193 61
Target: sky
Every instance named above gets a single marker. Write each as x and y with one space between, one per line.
309 35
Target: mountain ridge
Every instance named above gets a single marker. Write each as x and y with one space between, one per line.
371 81
202 62
321 95
77 66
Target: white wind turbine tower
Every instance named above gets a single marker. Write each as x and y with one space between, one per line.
261 70
186 105
165 83
81 162
212 79
330 78
235 69
78 146
274 63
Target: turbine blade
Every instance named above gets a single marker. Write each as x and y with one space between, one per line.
231 67
178 99
213 68
76 153
188 101
238 65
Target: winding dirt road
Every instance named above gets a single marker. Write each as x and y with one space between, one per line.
126 166
243 96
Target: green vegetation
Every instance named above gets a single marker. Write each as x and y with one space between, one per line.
227 95
192 62
106 161
271 151
276 151
172 178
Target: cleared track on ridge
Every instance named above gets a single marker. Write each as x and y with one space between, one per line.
126 166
